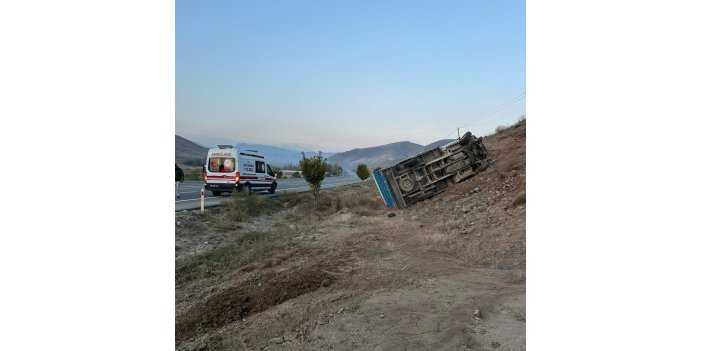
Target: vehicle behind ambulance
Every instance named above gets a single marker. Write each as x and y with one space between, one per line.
229 169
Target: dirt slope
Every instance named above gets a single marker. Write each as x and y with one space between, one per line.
274 274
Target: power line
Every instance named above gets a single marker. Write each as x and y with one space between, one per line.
510 102
447 135
490 120
506 104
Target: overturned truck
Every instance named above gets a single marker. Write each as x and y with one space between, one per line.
428 173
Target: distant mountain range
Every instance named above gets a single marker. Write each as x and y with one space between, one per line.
377 155
190 153
279 156
383 155
441 142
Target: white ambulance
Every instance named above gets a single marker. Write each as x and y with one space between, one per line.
229 169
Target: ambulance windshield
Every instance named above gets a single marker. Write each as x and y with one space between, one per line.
221 165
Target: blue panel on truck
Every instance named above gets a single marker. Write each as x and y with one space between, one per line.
384 189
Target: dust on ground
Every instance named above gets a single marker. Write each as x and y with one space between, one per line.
275 274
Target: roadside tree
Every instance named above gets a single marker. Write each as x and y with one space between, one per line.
362 171
313 169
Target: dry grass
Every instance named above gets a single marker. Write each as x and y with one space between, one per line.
438 241
248 248
228 223
476 247
380 250
251 246
241 207
217 221
361 199
294 199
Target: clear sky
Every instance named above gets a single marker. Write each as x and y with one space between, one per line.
336 75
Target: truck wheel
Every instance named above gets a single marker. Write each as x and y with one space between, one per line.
272 189
406 184
216 193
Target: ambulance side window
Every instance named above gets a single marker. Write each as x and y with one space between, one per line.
260 167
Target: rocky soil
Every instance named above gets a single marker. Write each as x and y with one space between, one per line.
275 274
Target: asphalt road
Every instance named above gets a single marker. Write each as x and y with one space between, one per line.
190 190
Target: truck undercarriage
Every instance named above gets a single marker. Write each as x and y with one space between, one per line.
428 173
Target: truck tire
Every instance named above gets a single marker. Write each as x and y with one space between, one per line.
272 189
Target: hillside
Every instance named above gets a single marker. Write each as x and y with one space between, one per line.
279 156
265 273
383 155
189 153
192 154
376 156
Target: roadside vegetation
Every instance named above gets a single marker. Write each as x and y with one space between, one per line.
362 171
305 272
249 247
313 169
253 245
241 207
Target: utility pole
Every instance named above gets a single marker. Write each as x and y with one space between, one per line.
459 132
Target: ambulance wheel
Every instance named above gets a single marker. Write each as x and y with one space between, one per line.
247 189
272 189
216 193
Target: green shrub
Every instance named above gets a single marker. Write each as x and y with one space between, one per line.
362 171
313 169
